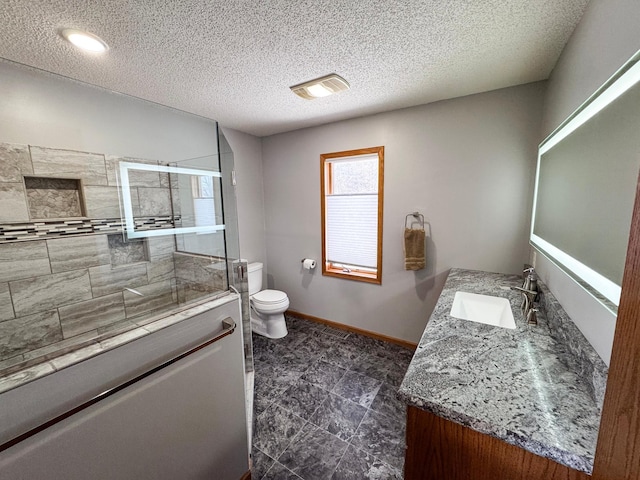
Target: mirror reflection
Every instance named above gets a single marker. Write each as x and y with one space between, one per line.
585 188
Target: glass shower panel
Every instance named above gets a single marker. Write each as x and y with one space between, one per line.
237 267
190 207
198 220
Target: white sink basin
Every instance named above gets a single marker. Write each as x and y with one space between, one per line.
494 311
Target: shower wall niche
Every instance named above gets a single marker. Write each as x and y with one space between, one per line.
75 268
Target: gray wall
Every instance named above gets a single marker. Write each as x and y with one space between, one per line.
606 37
247 155
38 108
467 164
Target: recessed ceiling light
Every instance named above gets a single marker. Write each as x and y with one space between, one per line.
321 87
85 40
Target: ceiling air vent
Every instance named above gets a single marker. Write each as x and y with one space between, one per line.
321 87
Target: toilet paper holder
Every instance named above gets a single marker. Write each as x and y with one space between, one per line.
308 263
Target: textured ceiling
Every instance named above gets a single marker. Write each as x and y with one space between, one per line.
234 60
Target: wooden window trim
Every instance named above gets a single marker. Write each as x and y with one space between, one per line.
326 183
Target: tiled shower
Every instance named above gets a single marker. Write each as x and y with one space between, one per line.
69 276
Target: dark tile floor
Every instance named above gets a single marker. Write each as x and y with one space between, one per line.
325 406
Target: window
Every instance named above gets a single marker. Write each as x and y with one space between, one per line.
352 186
203 206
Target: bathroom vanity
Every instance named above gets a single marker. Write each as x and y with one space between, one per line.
486 402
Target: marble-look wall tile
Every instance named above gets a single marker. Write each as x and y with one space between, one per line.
124 252
154 296
189 292
203 270
14 203
38 294
23 260
10 362
180 243
29 332
161 246
61 347
103 202
74 253
166 180
123 338
91 314
153 201
137 178
53 197
89 167
107 279
14 162
24 376
161 268
74 357
6 307
116 328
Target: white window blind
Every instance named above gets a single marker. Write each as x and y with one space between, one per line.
203 204
204 211
352 229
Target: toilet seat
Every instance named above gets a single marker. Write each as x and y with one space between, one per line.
269 297
270 301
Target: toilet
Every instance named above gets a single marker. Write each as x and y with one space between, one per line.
267 307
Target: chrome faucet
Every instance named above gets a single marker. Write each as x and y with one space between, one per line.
529 294
528 309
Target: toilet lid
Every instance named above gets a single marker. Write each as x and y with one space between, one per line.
269 296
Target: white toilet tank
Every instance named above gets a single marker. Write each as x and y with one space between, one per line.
255 277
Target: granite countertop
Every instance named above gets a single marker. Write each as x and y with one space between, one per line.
515 385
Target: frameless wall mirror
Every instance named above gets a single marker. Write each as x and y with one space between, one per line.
201 213
585 186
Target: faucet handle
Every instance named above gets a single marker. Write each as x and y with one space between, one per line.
532 317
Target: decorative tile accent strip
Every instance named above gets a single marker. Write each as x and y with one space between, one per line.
11 232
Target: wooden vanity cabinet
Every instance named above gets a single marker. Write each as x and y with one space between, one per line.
439 449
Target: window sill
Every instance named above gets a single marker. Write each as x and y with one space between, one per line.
353 275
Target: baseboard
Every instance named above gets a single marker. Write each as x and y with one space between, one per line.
360 331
